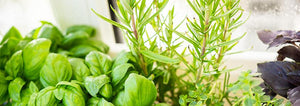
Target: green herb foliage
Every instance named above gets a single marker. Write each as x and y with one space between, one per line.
147 55
37 72
210 34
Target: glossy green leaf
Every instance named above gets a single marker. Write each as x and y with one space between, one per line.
94 84
106 91
56 68
74 38
84 28
139 91
34 56
94 101
119 72
70 94
45 97
6 50
33 88
82 50
123 57
14 89
12 33
80 70
101 46
98 63
159 57
25 96
22 44
3 87
14 66
49 31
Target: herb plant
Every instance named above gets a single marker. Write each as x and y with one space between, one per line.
151 60
281 77
59 77
210 35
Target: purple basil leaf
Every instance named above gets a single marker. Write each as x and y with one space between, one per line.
291 52
266 36
277 38
275 77
294 96
267 90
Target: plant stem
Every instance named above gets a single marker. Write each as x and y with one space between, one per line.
134 27
199 71
140 56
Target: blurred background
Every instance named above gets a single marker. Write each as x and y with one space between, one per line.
26 15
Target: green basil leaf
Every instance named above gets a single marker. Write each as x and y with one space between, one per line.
32 99
22 43
123 57
33 88
80 70
15 87
82 50
84 28
34 56
49 31
106 91
14 66
12 33
56 68
25 97
74 39
70 93
6 50
139 91
3 87
45 97
94 101
101 46
159 57
119 73
94 84
98 63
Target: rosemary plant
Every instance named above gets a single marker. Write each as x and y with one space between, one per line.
210 35
159 63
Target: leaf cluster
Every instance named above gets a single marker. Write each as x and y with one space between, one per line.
46 71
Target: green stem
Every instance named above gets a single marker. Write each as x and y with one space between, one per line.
199 71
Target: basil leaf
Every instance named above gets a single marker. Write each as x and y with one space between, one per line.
49 31
6 50
82 50
119 73
80 70
94 101
14 66
84 28
14 89
12 33
70 93
3 87
94 84
123 57
98 63
106 91
56 68
74 39
139 91
34 56
45 97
